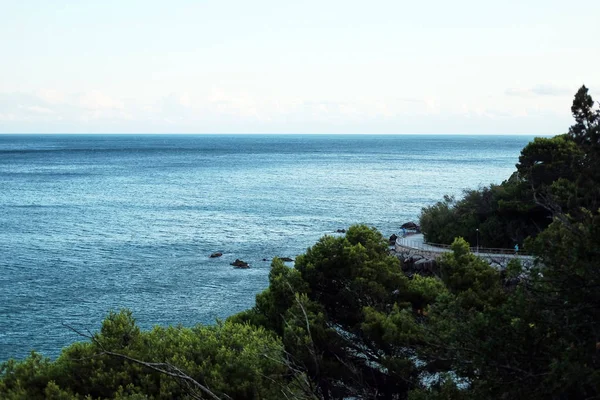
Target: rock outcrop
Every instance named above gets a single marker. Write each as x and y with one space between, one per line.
240 264
411 226
417 264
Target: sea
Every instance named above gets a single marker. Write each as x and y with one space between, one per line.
93 223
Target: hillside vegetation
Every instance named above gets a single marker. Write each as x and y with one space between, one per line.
554 176
346 322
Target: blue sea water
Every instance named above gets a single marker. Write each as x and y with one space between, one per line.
90 223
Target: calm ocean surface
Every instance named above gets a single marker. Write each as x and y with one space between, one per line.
90 223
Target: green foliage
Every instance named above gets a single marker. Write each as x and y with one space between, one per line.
494 216
328 307
444 388
568 285
586 134
118 331
347 323
348 273
243 361
539 340
437 221
272 304
348 276
305 333
545 160
393 330
554 175
423 291
469 277
586 130
514 268
26 379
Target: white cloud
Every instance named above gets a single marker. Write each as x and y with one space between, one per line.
38 109
96 100
52 96
551 90
7 117
228 110
540 90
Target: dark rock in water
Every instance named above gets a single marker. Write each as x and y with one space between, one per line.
264 259
240 264
393 238
285 259
341 231
215 255
411 226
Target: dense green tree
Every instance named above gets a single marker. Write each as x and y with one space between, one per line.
273 302
546 160
586 130
349 273
586 133
345 279
346 322
495 216
554 175
539 339
240 361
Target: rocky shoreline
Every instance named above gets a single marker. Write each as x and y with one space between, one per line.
416 264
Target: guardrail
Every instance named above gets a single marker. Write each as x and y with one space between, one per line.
442 248
403 242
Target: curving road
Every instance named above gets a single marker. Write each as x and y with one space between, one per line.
417 242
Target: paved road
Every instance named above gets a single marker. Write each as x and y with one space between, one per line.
417 242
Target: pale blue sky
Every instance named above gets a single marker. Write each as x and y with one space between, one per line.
307 66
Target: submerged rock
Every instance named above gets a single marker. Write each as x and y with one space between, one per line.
215 255
286 259
240 264
341 231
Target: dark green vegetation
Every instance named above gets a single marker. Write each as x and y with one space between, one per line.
556 175
346 322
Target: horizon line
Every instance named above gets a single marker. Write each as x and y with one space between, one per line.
278 134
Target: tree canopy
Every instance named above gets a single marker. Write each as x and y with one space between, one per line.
346 322
557 175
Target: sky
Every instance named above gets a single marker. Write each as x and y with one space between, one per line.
327 66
